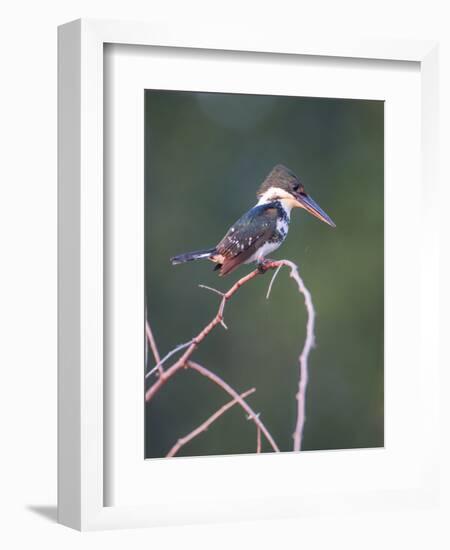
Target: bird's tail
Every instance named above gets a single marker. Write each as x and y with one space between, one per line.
190 256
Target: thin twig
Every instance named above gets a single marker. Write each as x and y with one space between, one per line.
166 357
154 347
206 424
255 417
222 322
272 280
211 289
258 439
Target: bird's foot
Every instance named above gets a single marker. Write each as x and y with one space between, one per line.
262 265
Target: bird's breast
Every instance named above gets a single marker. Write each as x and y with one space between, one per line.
282 228
263 251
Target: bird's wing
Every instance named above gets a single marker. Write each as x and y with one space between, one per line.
245 237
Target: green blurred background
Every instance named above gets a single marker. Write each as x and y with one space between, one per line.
205 156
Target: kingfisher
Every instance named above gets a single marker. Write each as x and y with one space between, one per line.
263 228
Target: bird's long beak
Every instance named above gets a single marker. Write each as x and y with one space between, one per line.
306 202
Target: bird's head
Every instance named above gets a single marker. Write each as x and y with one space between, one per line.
284 186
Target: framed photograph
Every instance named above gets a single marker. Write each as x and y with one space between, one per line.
247 275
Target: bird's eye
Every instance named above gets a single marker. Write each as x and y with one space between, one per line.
298 187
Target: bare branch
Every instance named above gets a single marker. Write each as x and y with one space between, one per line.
205 425
184 360
258 439
303 359
226 387
193 344
154 347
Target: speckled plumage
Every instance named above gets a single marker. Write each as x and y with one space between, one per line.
245 239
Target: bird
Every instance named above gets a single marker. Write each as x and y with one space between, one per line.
262 229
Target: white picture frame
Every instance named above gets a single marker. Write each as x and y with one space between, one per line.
81 480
